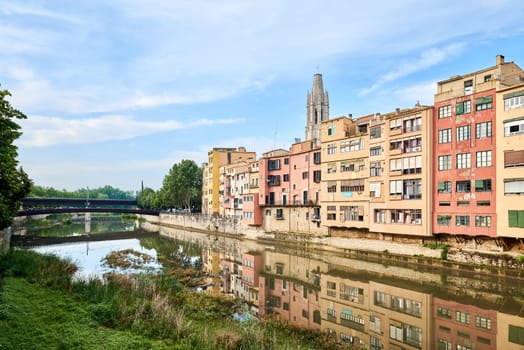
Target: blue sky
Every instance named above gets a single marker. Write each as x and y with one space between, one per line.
116 92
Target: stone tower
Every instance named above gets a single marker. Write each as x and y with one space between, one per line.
317 109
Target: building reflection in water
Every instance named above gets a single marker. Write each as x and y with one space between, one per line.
367 304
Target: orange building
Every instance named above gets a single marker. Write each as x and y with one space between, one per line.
465 138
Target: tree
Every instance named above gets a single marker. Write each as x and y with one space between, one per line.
14 182
147 198
182 186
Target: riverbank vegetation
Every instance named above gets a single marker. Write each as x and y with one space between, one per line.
43 307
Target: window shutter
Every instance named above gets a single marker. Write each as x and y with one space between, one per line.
513 218
513 158
485 99
459 108
441 185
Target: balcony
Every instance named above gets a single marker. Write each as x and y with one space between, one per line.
352 324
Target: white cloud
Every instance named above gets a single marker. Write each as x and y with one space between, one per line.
427 58
42 131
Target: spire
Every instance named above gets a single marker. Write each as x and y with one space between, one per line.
317 108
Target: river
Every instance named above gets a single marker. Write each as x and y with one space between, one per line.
362 302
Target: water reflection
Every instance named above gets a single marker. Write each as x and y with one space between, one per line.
367 304
89 255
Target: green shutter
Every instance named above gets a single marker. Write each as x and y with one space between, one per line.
441 186
513 94
513 218
485 99
479 184
520 218
459 108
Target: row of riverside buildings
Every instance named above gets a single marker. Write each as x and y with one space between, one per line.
451 170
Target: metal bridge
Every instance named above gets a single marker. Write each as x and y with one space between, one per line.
38 206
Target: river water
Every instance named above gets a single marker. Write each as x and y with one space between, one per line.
366 303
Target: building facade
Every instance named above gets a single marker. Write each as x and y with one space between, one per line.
510 161
218 158
465 140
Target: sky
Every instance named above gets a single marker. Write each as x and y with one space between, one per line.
117 92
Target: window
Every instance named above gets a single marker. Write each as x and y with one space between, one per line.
444 162
375 169
285 177
305 175
413 144
352 185
444 112
380 216
413 189
484 103
332 187
375 132
444 187
395 332
332 148
286 161
444 136
317 177
375 324
482 221
483 185
514 100
484 159
462 203
395 124
279 213
413 124
462 220
352 145
444 220
468 87
462 317
463 186
395 187
463 133
351 213
273 164
514 127
483 203
513 159
444 345
375 151
514 186
463 107
463 160
406 216
443 312
516 334
273 180
516 218
316 157
483 130
332 130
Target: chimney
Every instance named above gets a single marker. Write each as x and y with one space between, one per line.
500 60
397 110
350 115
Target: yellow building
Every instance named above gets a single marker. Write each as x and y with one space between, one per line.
510 161
402 206
217 158
376 174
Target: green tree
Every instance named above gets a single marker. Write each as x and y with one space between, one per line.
14 182
182 186
147 198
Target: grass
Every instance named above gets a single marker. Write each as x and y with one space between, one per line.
42 308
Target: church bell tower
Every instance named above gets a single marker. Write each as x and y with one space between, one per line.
317 109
